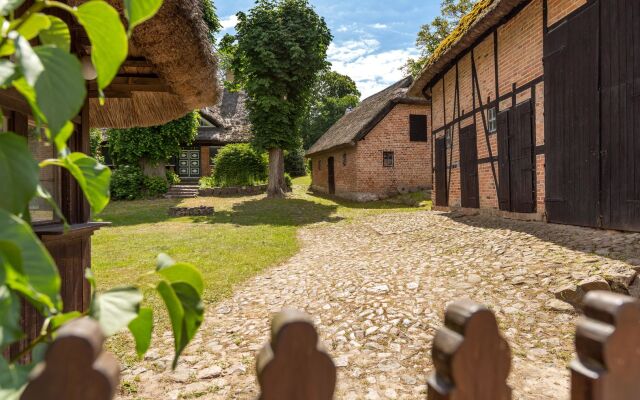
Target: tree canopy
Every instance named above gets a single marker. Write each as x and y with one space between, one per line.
281 46
431 34
153 144
331 96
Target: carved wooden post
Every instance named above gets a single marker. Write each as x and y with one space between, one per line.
293 366
608 349
471 359
75 367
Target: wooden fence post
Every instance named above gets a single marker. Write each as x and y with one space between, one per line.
471 359
293 366
75 367
608 349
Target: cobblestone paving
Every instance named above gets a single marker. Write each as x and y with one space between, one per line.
377 289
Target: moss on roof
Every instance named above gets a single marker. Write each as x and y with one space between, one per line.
476 13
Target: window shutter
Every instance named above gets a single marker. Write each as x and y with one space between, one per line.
418 128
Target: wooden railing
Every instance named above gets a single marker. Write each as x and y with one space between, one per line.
471 358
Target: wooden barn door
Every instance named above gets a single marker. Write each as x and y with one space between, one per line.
572 134
516 157
620 91
470 191
442 195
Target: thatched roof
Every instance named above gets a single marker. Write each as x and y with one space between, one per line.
230 119
482 18
356 124
170 59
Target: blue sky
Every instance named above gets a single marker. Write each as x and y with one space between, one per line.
372 38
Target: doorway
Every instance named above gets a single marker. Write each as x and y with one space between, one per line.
332 176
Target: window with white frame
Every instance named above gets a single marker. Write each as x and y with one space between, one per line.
492 119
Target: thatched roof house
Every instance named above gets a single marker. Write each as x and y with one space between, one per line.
483 17
169 57
379 148
227 122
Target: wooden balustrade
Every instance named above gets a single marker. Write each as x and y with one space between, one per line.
471 358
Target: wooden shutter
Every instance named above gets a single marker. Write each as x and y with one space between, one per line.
469 188
521 157
418 128
504 184
442 195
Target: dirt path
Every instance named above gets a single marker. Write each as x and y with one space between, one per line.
377 289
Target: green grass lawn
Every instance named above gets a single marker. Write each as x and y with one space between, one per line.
245 236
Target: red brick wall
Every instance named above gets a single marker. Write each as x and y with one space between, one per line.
558 9
364 172
412 160
520 61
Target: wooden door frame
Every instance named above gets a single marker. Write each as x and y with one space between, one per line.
331 175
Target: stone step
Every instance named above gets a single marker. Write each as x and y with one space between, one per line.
180 196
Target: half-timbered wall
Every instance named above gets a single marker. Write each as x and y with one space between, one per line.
506 64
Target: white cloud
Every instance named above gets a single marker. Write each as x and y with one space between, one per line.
229 22
342 28
379 26
371 69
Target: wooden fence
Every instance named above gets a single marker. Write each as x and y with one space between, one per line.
471 358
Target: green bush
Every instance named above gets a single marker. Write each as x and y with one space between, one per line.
173 178
239 165
127 183
294 163
155 186
207 182
288 181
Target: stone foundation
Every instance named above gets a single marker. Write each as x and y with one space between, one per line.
190 211
231 191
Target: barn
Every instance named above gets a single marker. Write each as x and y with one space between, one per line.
536 112
378 149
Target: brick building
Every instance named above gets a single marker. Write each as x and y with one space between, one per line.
380 148
536 111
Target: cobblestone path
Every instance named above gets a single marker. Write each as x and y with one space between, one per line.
377 289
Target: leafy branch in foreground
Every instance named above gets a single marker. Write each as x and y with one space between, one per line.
50 79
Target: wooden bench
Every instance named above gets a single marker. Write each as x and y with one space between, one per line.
471 358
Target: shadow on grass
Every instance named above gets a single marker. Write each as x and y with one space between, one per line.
371 205
125 213
614 245
276 212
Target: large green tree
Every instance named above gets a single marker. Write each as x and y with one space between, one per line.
280 47
432 34
332 95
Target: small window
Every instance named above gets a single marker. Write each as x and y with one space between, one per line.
387 158
41 211
344 159
448 137
418 128
492 119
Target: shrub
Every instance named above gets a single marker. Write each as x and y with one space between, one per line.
173 178
294 163
239 165
207 182
155 186
127 183
288 181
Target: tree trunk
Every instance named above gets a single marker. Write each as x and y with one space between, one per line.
276 188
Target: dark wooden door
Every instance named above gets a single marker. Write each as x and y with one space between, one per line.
469 187
620 118
516 159
442 193
332 175
189 163
522 158
572 134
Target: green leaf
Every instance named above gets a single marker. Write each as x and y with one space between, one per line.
176 315
18 171
183 273
13 379
46 196
57 34
88 275
29 94
60 89
29 63
33 25
6 6
58 320
60 139
9 317
37 279
141 328
93 177
138 11
108 38
7 72
115 309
